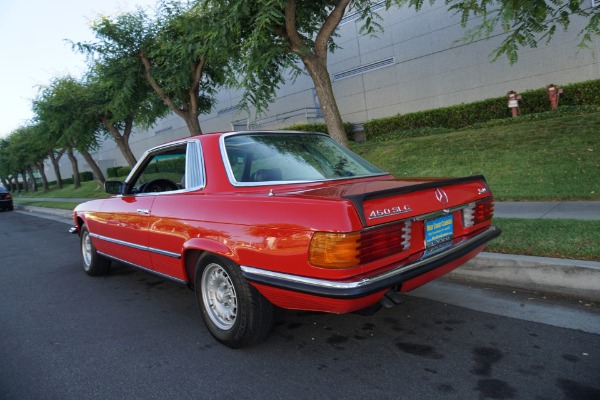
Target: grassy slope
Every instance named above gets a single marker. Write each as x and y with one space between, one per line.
557 159
89 189
542 160
548 238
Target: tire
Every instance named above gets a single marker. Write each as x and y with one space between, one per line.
234 312
93 263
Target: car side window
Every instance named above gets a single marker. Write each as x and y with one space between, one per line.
162 171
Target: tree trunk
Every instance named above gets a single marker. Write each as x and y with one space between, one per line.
40 167
20 186
188 111
14 184
33 182
54 159
76 182
193 124
95 169
315 61
122 140
24 177
5 183
324 88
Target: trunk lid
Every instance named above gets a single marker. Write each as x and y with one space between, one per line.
387 200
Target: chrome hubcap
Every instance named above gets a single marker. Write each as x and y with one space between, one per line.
86 251
219 297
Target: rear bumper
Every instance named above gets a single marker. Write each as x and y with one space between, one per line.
352 289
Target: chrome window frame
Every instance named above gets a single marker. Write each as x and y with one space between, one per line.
195 172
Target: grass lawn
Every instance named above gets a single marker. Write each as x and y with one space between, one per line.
558 238
88 190
555 159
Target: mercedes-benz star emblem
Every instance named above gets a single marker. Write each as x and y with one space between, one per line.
441 196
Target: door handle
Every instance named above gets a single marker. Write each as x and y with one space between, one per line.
143 211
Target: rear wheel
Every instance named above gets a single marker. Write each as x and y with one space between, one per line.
234 312
93 263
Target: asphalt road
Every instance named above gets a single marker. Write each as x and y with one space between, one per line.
130 335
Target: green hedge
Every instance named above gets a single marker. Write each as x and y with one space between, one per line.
86 176
116 172
176 165
112 172
123 171
462 115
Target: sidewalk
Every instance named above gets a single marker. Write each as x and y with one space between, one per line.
573 278
587 210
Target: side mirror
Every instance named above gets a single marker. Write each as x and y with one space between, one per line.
114 187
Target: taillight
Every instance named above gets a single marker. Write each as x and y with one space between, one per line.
8 196
334 250
344 250
478 212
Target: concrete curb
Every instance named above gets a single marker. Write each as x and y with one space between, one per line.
574 278
54 212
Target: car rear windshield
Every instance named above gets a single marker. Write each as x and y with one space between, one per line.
286 157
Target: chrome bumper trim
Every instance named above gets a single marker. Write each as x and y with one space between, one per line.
368 285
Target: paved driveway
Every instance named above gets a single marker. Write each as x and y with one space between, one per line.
129 335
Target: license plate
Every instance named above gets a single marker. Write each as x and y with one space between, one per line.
438 231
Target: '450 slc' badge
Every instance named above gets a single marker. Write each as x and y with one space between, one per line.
388 212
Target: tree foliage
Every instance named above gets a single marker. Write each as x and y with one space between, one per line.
67 110
22 151
524 23
118 97
278 34
177 51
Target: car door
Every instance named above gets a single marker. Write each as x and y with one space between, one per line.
168 230
122 225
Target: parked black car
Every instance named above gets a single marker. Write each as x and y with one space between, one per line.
6 201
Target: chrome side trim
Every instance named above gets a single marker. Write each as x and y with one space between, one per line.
372 284
169 277
136 246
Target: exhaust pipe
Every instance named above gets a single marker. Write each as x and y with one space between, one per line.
391 298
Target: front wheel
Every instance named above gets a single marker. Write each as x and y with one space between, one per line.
234 312
93 263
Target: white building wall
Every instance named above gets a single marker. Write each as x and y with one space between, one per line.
430 69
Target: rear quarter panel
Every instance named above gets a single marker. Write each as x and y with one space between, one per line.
272 233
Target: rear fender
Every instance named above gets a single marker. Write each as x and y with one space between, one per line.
194 248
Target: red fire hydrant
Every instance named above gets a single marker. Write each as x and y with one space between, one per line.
553 94
513 102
